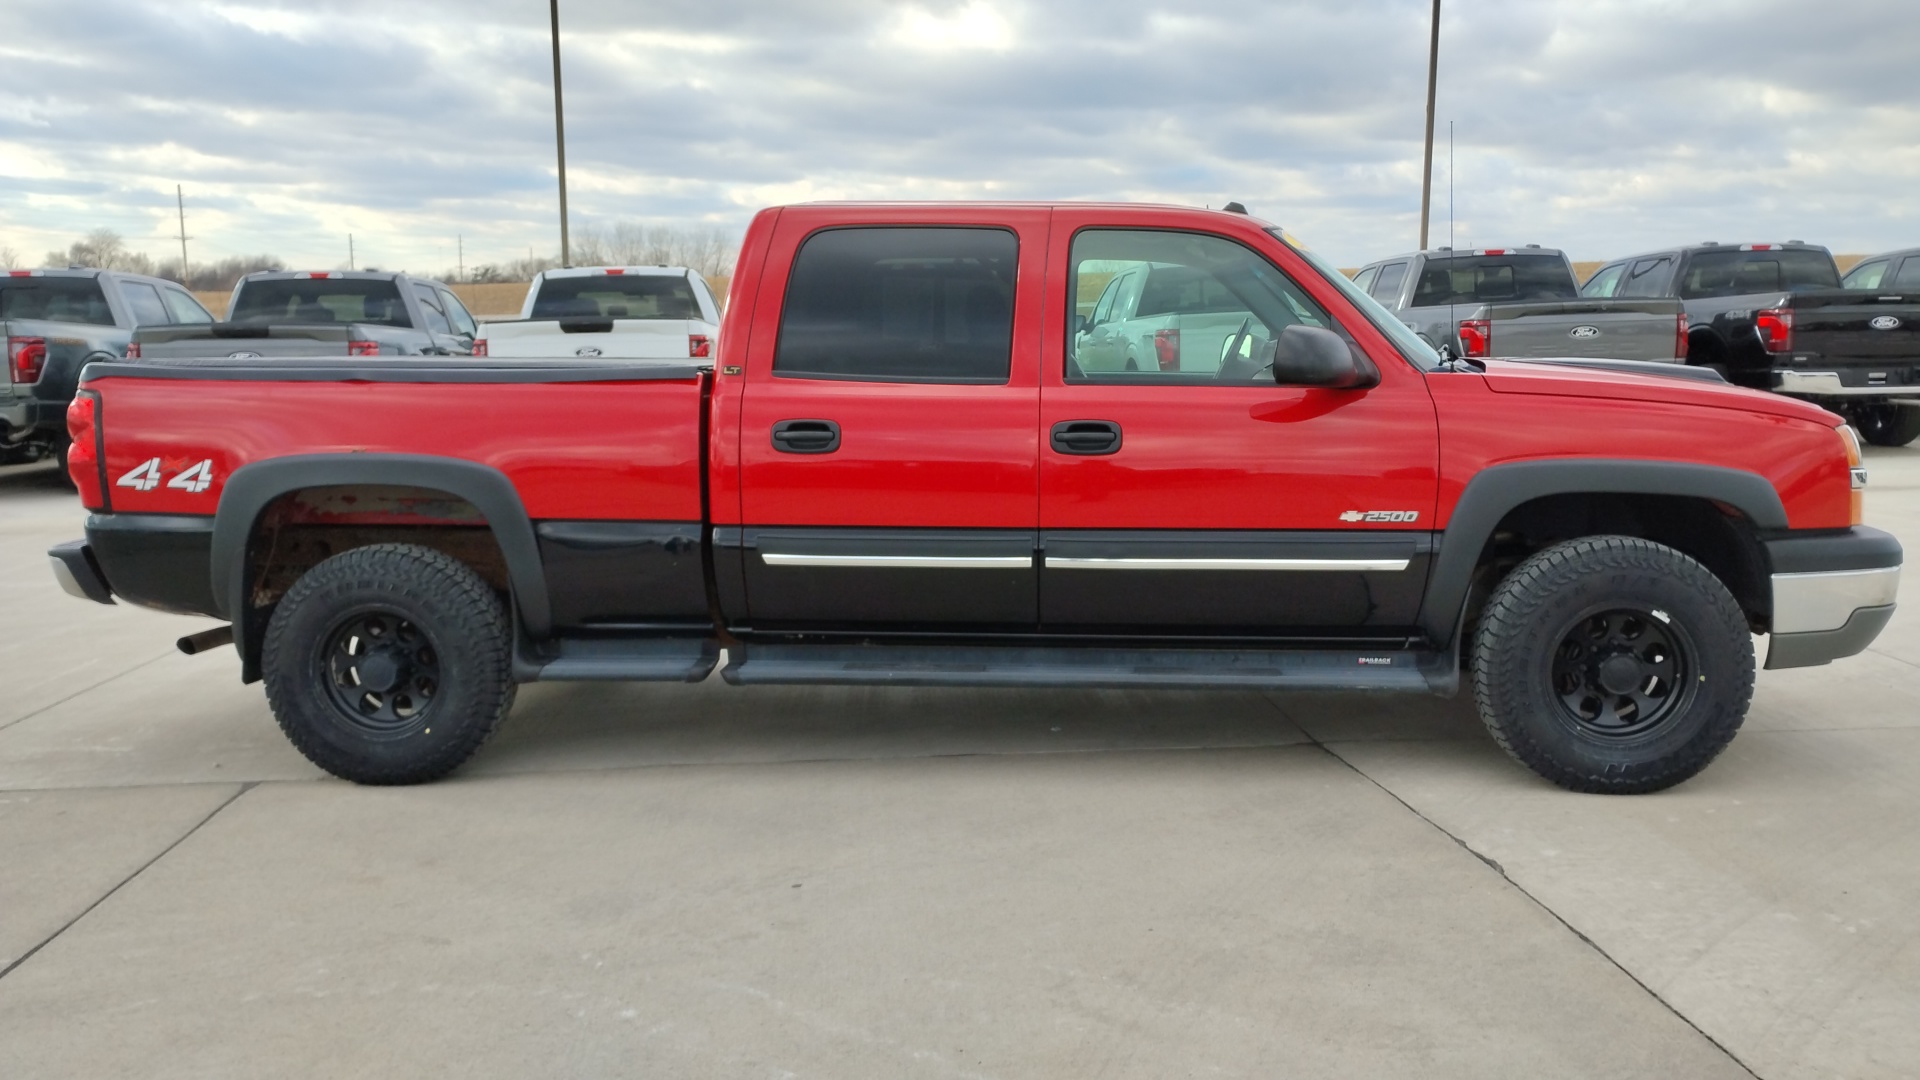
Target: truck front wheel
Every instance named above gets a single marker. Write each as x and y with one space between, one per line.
1883 423
389 664
1612 664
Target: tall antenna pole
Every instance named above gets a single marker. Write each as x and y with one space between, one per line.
349 251
1433 74
560 134
461 240
181 202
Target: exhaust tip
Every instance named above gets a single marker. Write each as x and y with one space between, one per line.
205 639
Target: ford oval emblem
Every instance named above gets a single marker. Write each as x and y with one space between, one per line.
587 351
243 355
1584 332
1885 322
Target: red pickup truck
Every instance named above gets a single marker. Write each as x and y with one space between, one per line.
896 471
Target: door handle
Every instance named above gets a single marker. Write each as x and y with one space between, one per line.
1086 437
806 436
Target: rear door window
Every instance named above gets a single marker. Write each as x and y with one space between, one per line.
1386 288
1364 279
183 307
1605 282
457 313
894 304
1647 277
55 299
437 322
144 299
1908 276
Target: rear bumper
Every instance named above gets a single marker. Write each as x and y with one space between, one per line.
1841 384
77 572
1832 594
159 561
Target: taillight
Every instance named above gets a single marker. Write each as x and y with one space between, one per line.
133 350
83 458
1166 349
480 346
363 348
1856 476
1775 326
1476 337
699 345
26 358
1680 338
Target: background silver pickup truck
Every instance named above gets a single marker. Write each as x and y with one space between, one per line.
324 313
1519 302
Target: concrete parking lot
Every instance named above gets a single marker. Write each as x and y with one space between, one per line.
706 881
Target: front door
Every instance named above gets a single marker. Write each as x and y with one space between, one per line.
1198 498
888 451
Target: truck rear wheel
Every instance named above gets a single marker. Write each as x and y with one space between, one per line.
1886 424
389 664
1612 664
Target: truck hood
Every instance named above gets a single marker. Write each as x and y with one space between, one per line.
1556 380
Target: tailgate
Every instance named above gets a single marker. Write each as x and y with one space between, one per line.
1610 329
1858 326
590 338
578 442
241 341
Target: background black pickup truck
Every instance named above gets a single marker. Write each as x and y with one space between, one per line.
1776 317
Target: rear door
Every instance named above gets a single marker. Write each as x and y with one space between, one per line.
888 454
1206 500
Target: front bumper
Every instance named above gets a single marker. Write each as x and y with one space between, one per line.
1832 594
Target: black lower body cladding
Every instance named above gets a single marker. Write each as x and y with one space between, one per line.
156 560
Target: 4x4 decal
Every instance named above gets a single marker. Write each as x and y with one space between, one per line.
145 476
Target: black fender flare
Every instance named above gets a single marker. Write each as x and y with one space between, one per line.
1497 491
253 486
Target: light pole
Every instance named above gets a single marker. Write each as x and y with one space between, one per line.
560 134
1426 180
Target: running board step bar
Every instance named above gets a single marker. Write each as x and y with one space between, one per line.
652 659
1192 669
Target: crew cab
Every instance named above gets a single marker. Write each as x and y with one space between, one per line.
611 312
1519 303
324 313
57 321
899 472
1776 317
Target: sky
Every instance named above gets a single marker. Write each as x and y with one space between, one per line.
422 127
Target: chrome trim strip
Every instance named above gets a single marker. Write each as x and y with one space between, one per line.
1347 565
1827 383
1804 603
901 562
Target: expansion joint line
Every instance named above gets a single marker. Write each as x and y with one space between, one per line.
108 895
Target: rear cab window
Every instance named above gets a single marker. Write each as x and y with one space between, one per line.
900 304
55 299
1468 279
616 296
320 300
1733 272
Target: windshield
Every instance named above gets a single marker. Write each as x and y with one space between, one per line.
1484 279
68 300
1418 353
1731 272
320 300
617 296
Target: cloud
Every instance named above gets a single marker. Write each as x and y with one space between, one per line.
1600 126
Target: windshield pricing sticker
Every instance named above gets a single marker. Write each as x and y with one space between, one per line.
194 478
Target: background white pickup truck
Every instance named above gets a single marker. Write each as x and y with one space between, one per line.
615 312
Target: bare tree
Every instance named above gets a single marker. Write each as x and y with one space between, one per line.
707 250
9 259
102 249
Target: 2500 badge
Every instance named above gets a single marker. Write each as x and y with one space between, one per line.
1382 517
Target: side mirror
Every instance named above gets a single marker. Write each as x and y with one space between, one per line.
1310 356
1080 323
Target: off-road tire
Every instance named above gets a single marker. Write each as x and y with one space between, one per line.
429 596
1888 425
1544 606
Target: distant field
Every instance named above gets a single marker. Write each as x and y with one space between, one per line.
495 300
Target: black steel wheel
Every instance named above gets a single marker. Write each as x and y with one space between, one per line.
389 664
1613 664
